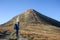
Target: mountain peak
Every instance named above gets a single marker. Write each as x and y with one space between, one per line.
33 16
30 10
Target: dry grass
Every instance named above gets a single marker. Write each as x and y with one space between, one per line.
37 32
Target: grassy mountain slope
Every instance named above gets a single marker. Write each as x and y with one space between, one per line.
35 26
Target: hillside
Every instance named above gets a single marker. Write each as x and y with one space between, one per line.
35 26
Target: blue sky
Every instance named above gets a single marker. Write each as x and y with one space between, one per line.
11 8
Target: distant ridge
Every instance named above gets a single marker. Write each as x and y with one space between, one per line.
48 19
34 16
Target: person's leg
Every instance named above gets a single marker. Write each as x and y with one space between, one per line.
17 33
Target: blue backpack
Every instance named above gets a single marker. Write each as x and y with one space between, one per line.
16 26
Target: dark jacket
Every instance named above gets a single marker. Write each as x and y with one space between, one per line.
16 26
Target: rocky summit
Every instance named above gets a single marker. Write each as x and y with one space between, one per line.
33 26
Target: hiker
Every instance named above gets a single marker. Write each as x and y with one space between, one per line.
17 26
